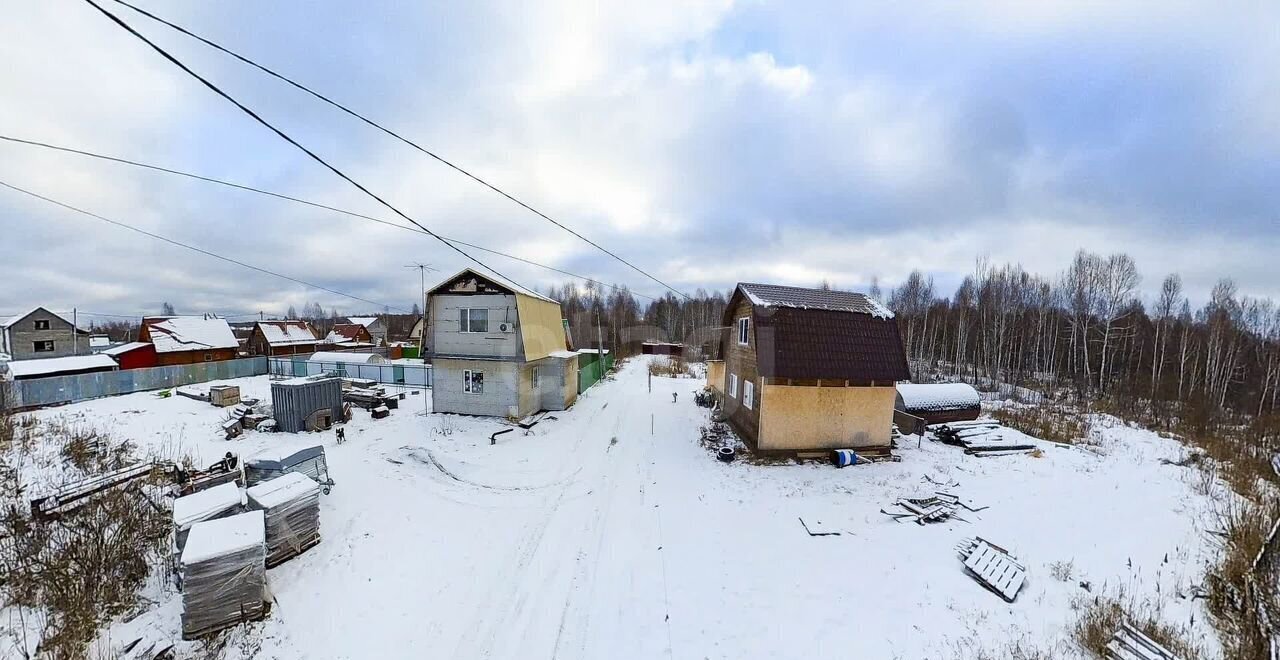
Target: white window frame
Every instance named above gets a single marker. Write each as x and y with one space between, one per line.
465 321
748 393
53 348
468 382
733 385
744 330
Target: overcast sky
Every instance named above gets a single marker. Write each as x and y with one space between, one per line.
707 142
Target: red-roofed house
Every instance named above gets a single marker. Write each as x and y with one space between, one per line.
282 338
349 334
189 339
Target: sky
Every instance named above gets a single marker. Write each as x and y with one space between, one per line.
706 142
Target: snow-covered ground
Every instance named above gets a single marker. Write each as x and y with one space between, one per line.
609 532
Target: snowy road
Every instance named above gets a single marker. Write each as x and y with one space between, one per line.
608 532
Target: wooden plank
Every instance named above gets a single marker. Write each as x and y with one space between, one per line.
996 570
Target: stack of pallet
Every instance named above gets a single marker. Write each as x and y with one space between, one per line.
217 502
224 574
982 438
291 504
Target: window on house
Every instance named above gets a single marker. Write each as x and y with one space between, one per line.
748 393
473 381
733 385
474 320
744 324
208 357
42 324
42 346
535 376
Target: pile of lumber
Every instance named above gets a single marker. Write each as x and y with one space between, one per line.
935 508
212 504
993 567
981 437
249 416
291 504
224 574
370 398
1129 643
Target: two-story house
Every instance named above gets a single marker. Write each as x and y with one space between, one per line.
376 328
497 349
807 369
40 333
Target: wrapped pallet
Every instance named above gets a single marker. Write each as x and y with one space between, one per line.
224 574
291 504
217 502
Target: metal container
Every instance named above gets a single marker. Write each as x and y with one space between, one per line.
296 401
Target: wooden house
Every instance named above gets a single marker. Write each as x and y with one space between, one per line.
282 338
189 339
497 349
808 369
349 335
374 326
134 355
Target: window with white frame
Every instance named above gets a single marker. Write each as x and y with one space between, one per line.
744 326
473 320
733 385
473 381
42 346
748 393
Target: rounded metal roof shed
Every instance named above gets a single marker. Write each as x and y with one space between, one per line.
348 358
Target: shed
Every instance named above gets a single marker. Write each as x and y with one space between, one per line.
661 348
307 403
62 366
939 403
134 355
347 358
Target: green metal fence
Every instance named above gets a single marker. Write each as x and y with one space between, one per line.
591 369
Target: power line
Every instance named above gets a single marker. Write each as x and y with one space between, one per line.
260 191
383 129
284 136
189 247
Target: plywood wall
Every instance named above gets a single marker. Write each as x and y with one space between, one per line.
801 418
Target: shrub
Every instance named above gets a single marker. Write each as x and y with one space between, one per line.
1100 617
1057 423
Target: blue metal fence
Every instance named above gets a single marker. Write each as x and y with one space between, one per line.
36 392
414 374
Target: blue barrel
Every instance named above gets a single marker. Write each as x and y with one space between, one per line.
844 458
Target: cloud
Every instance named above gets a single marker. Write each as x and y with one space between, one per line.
707 141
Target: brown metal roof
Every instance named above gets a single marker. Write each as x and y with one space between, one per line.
814 334
775 295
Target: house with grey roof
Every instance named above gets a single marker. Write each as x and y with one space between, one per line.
40 333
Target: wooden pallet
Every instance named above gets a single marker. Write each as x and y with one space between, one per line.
1130 644
993 567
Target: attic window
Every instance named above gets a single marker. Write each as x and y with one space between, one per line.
473 320
744 324
42 324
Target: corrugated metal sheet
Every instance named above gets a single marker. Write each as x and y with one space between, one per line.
292 401
35 392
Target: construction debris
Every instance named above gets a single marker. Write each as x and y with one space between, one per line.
380 412
310 461
212 504
817 528
74 494
224 395
224 574
1130 644
291 504
993 567
980 438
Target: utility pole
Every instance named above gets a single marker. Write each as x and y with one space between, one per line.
422 341
599 349
75 331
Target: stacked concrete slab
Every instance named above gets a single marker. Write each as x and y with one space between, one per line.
291 504
217 502
224 574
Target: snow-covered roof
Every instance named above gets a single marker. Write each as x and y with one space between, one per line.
287 333
124 348
350 358
938 396
593 350
172 334
10 320
563 354
197 506
51 366
224 536
283 489
519 290
775 295
366 321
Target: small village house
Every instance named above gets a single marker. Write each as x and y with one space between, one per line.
348 335
189 339
134 355
497 349
373 325
39 333
272 338
415 333
809 369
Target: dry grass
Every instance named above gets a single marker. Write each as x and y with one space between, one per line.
1057 423
670 367
1099 618
1243 586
